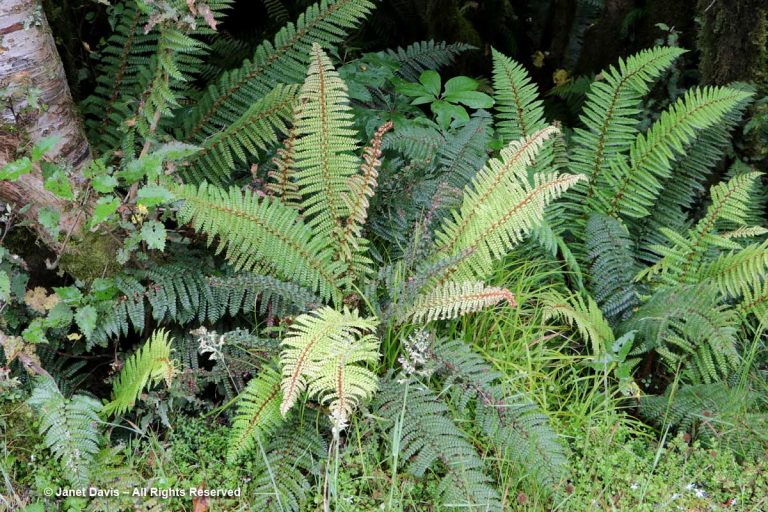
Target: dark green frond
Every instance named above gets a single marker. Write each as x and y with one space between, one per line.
283 61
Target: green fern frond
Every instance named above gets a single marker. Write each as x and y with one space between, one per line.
610 110
720 412
738 272
500 207
613 266
69 427
174 293
262 230
452 300
325 145
415 143
633 185
148 366
254 131
512 424
283 61
681 261
463 152
586 316
686 184
276 10
429 436
292 457
326 352
423 55
258 413
118 75
519 112
691 330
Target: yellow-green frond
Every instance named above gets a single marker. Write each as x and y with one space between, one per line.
148 366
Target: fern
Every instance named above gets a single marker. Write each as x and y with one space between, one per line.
325 352
511 423
148 366
684 188
691 331
283 61
69 426
325 145
258 413
143 69
720 412
681 262
255 130
738 272
428 436
519 111
500 206
262 231
651 155
613 266
174 293
420 56
452 300
419 143
464 152
362 187
586 316
609 111
289 460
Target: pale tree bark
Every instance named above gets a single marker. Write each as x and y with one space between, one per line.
30 65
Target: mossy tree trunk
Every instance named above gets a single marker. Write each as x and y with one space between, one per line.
732 41
37 103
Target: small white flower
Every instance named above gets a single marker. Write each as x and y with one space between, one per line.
701 493
691 486
634 486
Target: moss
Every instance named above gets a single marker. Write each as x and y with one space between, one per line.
90 256
731 49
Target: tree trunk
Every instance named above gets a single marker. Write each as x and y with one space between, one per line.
732 41
30 67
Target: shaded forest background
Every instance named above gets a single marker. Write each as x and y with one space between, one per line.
555 39
580 36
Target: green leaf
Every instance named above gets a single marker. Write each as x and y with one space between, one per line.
60 316
147 166
153 232
431 81
152 195
472 99
35 332
13 170
69 295
105 207
104 183
86 320
103 288
49 218
58 184
175 151
460 84
410 89
446 113
421 100
5 286
43 146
